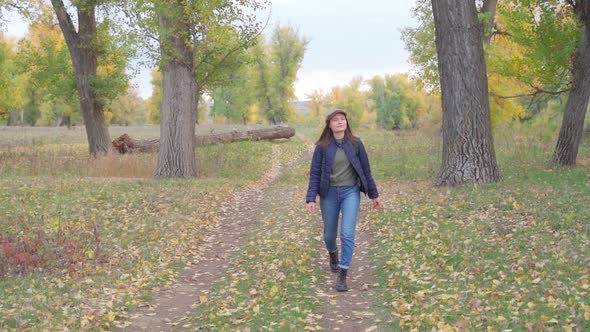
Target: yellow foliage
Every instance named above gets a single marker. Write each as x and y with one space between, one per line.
502 85
253 113
504 109
108 116
368 117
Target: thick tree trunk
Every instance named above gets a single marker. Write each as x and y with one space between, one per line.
179 101
83 55
468 151
125 144
570 134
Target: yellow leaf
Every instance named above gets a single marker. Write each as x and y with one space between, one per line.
203 298
274 290
403 309
110 316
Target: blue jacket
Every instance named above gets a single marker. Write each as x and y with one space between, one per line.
319 173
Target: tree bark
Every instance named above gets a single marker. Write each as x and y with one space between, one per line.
571 132
84 60
489 9
179 100
468 151
125 144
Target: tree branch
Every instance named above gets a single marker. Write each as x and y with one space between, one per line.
206 78
535 93
66 25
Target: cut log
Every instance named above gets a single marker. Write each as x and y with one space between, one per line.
125 144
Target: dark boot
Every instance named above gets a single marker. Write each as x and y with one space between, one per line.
341 282
334 261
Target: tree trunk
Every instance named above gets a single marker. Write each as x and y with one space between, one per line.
267 105
83 55
489 9
125 144
179 101
468 151
14 116
570 134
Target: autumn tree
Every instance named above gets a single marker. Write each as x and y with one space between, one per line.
468 153
350 98
196 45
155 101
12 87
553 37
89 45
419 42
44 57
267 94
234 100
397 100
128 109
277 63
317 104
570 134
503 84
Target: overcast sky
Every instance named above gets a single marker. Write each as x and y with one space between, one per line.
348 38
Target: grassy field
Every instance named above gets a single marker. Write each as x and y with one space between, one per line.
85 240
508 256
97 238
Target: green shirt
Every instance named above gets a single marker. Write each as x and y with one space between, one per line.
343 174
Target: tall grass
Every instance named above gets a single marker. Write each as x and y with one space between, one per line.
30 151
416 154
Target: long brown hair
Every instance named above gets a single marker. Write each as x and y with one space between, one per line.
327 134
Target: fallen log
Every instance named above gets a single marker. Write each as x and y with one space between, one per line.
125 144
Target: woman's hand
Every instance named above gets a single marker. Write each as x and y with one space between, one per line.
376 203
311 207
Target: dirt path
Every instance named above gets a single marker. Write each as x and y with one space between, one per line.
237 218
349 311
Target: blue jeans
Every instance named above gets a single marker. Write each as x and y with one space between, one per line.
346 199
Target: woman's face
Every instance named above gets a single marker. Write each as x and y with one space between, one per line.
338 123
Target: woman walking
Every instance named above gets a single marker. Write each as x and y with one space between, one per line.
339 172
